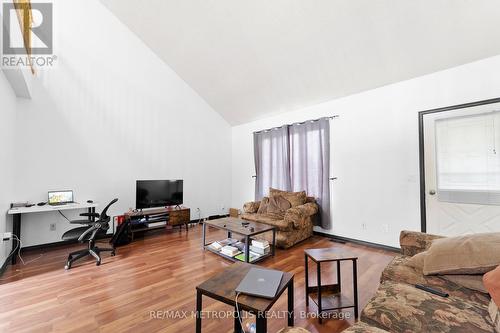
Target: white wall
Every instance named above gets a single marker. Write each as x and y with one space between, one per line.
109 113
7 124
374 148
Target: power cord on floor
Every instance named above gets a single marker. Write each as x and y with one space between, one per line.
19 246
19 253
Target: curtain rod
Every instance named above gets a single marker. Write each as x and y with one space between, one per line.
298 123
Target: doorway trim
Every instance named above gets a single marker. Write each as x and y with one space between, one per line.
421 149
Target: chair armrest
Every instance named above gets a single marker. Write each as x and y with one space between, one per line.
413 242
297 215
251 207
90 214
88 222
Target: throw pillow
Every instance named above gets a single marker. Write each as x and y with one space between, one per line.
251 207
278 205
417 261
474 282
295 198
470 254
264 203
492 283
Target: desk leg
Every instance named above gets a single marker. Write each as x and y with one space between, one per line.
198 311
306 265
204 234
16 230
339 276
247 249
274 242
290 304
261 323
355 285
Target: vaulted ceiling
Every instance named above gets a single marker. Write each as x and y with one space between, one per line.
252 58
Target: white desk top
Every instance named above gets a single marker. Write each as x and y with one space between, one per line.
48 208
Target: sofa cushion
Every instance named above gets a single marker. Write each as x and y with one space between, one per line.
361 327
278 205
270 219
251 207
398 270
295 198
293 330
474 282
495 315
398 307
413 242
470 254
264 203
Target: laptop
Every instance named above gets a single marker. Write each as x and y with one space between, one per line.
260 283
58 198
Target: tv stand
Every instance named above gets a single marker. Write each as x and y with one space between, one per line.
158 218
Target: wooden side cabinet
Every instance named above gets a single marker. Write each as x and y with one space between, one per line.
179 217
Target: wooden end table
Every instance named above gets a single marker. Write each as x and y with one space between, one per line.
234 226
221 287
329 297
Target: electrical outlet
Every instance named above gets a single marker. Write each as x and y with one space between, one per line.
363 226
52 227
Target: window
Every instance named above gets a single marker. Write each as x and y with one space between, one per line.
468 164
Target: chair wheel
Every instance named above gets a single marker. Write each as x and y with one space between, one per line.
66 267
98 263
113 253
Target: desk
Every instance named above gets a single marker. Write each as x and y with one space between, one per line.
17 212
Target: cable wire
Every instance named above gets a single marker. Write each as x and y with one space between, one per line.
238 312
64 216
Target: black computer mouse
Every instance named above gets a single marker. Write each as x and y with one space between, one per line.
41 204
90 201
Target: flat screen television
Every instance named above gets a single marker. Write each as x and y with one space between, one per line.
158 193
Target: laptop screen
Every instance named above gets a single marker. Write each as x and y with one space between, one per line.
60 197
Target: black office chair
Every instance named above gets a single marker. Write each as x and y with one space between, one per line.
89 233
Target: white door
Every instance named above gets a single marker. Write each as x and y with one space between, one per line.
462 170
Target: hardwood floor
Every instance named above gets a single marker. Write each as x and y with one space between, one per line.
133 291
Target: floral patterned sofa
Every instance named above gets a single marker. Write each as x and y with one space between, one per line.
398 306
293 225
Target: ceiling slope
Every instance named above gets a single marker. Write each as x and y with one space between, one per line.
251 59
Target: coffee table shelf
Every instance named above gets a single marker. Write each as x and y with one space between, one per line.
248 231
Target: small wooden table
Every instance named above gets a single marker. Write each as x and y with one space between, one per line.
329 297
235 225
221 287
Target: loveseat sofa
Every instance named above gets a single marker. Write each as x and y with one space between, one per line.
293 224
398 306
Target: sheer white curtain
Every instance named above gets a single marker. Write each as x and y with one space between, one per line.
272 161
